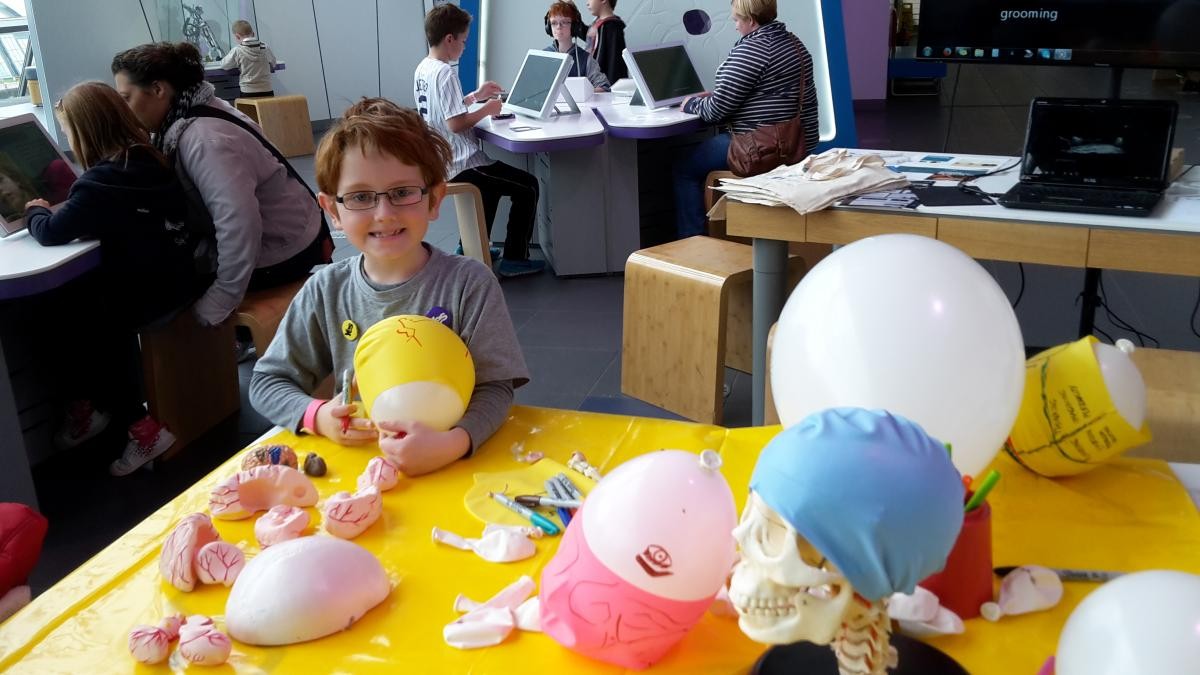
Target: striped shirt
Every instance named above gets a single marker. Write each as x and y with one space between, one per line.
439 97
757 84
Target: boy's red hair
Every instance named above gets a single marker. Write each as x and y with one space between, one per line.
377 124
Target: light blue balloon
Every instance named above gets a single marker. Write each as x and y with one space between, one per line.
871 491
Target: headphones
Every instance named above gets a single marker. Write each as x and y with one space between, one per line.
578 28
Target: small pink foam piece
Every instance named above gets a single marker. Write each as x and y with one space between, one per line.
219 562
349 515
204 645
149 644
247 492
279 524
170 624
380 472
179 550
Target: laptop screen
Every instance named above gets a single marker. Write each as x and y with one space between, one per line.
1122 144
31 167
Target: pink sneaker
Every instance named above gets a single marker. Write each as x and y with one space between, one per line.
82 422
147 439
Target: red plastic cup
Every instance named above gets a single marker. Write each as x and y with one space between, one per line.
966 581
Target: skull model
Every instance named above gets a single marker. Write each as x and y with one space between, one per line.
846 508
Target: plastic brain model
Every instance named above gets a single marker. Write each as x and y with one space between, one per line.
414 369
846 508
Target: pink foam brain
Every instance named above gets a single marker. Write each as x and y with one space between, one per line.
204 645
219 563
349 515
280 524
179 550
149 644
381 472
248 492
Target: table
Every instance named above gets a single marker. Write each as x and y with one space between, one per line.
1139 516
28 269
226 80
1164 243
594 197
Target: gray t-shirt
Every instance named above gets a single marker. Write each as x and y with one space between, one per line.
311 341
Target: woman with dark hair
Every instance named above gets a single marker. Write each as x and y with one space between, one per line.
269 229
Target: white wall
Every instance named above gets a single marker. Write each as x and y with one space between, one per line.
75 41
515 27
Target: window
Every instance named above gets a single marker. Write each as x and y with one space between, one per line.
15 54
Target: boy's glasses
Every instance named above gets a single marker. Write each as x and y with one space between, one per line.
405 195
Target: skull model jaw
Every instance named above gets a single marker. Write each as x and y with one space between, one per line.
783 589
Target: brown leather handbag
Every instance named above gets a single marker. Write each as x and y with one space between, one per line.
756 152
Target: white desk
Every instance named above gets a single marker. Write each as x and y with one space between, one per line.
592 203
27 269
1164 243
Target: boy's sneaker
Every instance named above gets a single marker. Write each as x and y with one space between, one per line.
519 268
495 251
82 422
147 439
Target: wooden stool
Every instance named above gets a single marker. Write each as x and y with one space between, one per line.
284 121
472 229
190 376
261 312
686 317
1172 403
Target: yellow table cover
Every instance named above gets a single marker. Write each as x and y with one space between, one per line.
1126 515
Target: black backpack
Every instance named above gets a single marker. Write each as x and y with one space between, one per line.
197 229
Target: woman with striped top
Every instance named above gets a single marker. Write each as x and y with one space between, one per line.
757 85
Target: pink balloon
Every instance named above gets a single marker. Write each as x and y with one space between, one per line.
663 523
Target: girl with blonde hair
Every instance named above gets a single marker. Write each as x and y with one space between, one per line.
128 198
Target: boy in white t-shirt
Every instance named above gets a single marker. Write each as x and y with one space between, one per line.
442 105
253 58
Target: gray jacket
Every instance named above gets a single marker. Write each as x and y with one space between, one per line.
262 216
590 69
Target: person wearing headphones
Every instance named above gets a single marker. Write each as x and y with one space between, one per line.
564 24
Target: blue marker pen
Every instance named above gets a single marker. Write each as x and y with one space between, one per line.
542 522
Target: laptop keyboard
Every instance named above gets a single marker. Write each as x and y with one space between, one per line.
1094 197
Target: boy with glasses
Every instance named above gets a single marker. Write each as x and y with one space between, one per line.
441 103
382 176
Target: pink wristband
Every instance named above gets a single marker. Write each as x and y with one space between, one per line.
309 423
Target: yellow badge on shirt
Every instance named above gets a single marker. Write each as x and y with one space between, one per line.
349 330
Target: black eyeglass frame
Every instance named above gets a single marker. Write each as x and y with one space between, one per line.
341 199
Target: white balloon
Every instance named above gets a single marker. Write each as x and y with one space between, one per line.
1147 623
910 325
434 404
1125 385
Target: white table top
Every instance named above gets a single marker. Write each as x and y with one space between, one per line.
618 113
21 256
1179 210
557 128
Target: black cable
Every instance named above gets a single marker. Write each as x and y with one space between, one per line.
1021 290
1121 323
1192 322
953 96
1106 336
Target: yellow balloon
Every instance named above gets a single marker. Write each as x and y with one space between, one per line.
414 369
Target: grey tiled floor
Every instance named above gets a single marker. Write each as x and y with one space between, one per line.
569 329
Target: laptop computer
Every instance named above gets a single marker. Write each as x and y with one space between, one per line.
1095 156
31 166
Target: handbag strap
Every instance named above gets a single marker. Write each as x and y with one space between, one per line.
209 111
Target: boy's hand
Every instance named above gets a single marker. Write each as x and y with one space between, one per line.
416 449
488 89
37 202
329 424
493 107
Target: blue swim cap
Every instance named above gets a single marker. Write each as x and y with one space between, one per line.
871 490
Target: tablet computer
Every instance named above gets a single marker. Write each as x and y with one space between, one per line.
538 82
31 166
664 73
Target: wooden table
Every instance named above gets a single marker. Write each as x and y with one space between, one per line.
1167 242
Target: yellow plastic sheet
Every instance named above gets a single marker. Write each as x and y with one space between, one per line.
1126 515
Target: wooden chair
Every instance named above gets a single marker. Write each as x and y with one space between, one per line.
190 377
687 317
284 121
472 228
